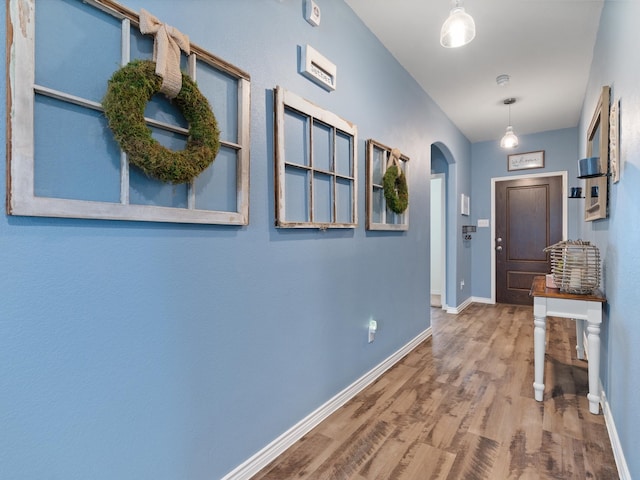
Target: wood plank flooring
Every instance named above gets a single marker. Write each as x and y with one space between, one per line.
461 406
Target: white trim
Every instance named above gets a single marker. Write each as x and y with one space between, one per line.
461 307
443 233
466 303
485 300
565 216
261 459
618 454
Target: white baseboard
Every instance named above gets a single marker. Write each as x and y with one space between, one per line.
485 300
261 459
461 307
467 302
618 454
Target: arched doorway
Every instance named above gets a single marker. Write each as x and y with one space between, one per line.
438 225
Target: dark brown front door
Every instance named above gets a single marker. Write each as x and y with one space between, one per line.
528 219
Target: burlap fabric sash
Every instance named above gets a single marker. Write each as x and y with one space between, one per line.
166 51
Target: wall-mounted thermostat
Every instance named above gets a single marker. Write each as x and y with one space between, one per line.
312 12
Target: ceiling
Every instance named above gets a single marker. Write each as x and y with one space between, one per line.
545 46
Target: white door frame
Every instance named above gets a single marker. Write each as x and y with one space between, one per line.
443 239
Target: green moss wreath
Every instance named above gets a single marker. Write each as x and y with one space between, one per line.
128 92
396 192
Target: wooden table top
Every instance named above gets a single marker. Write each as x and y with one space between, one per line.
539 289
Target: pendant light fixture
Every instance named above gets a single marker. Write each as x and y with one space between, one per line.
459 29
510 140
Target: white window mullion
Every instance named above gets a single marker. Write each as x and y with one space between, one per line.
334 177
383 165
22 78
125 56
242 162
311 170
191 186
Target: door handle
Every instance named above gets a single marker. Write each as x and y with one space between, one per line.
499 248
499 240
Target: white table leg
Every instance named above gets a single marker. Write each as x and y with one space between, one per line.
593 341
580 338
539 334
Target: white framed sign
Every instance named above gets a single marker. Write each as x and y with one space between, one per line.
318 68
524 161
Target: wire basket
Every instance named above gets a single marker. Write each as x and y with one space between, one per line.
575 266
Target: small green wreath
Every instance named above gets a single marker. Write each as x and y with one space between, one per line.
128 92
396 192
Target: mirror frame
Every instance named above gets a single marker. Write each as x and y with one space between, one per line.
596 205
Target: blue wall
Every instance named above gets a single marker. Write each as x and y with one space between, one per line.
490 161
138 350
616 63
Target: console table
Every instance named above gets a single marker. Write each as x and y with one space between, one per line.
584 309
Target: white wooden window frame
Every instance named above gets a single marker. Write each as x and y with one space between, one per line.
285 100
389 220
21 199
596 206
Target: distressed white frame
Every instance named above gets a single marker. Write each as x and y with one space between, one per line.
21 199
597 207
285 100
390 220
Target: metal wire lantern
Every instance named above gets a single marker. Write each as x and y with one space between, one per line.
575 265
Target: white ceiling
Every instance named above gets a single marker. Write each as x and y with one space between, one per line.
546 46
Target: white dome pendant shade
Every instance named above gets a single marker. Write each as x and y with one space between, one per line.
457 30
510 140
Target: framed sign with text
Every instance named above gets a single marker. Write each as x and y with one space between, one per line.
318 68
523 161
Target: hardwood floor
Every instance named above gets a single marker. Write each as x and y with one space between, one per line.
461 406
